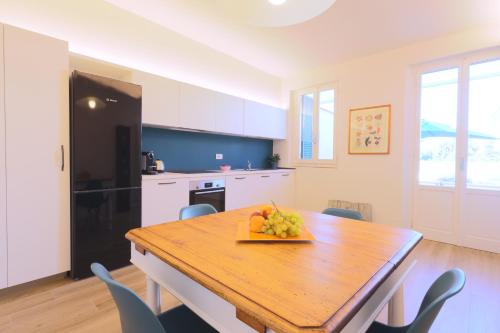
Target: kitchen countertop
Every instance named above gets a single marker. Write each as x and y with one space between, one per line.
210 175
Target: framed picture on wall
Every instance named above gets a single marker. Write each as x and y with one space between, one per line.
370 130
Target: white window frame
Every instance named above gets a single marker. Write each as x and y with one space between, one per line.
297 105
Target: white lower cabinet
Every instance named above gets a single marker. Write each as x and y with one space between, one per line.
241 191
284 188
277 188
162 200
260 189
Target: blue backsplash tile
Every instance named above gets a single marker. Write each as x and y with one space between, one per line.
182 150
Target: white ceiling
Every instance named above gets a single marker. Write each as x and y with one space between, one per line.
348 29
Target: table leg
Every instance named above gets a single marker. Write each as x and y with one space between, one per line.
153 296
396 315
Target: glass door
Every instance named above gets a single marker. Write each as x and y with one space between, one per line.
435 195
457 192
479 218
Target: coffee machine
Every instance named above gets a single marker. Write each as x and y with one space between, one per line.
148 163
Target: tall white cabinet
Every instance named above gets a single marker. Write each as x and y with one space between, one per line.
3 200
36 156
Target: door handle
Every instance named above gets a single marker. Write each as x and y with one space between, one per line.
240 178
62 157
265 176
462 164
169 183
285 175
207 192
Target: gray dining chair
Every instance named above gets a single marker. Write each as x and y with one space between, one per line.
347 213
136 316
196 210
447 285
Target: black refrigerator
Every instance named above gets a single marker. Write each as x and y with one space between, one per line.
105 170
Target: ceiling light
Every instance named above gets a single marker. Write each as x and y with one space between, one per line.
277 2
272 13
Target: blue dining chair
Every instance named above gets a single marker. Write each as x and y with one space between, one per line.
196 210
347 213
447 285
136 316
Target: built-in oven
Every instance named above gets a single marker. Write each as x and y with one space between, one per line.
208 191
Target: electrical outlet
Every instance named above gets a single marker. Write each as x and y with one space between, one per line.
219 156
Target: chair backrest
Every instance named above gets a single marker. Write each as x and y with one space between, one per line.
347 213
447 285
196 210
135 315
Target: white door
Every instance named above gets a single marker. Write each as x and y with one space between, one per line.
163 199
37 133
3 215
457 191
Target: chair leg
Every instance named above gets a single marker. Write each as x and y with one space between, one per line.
153 296
396 313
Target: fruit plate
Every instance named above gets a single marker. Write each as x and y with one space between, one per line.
245 235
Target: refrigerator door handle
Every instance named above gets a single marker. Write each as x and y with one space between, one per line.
62 157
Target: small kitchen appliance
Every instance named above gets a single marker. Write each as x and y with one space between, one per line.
160 166
148 163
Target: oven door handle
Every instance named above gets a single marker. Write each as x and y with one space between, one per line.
206 192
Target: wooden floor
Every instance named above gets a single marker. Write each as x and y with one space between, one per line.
62 305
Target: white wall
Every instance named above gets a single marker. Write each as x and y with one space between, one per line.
99 30
384 78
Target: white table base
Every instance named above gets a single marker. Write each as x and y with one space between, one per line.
221 314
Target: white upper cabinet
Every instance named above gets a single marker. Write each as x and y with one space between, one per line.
3 202
160 99
230 116
37 129
264 121
197 108
168 103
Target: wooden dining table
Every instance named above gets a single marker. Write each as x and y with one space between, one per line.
339 282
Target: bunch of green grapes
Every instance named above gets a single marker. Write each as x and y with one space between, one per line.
283 224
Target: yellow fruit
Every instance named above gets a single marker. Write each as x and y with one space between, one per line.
256 223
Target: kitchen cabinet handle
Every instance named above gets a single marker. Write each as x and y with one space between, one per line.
169 183
285 175
265 176
62 157
240 178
